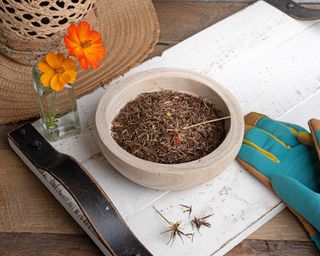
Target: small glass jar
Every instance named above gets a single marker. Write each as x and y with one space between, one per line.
58 109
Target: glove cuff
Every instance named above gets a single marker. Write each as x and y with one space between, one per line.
316 239
314 126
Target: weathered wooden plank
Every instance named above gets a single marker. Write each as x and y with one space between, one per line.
272 248
246 254
29 244
241 55
179 20
284 226
4 129
42 244
20 244
239 202
26 206
192 17
20 192
35 219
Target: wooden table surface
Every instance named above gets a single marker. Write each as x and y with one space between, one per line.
32 222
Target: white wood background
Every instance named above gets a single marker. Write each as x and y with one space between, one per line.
270 62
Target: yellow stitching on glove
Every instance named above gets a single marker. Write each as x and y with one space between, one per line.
275 138
295 133
303 137
267 154
271 135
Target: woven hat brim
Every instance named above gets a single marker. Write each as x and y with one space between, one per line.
130 30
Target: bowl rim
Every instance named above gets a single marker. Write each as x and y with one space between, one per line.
225 148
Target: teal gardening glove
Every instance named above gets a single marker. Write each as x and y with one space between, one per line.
285 157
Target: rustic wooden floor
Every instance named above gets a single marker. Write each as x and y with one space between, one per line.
33 223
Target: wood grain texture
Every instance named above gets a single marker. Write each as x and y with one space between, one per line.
36 210
249 55
34 202
26 206
34 205
192 17
28 244
284 226
180 20
4 129
268 248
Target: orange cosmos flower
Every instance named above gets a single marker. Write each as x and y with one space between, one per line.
57 71
85 44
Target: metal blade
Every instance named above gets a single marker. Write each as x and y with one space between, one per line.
295 10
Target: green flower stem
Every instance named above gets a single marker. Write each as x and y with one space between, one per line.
51 119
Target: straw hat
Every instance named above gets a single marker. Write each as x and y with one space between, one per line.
31 28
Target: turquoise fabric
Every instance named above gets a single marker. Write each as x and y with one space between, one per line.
294 126
297 161
303 200
317 133
296 176
316 239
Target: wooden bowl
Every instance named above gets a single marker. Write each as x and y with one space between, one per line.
169 176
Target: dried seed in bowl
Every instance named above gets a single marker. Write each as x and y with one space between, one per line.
169 127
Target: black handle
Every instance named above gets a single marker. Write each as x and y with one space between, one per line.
295 10
95 204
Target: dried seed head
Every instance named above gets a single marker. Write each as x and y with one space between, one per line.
201 222
188 209
174 229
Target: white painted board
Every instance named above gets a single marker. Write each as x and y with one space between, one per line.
270 62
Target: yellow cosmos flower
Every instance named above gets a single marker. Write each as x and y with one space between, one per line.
57 71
